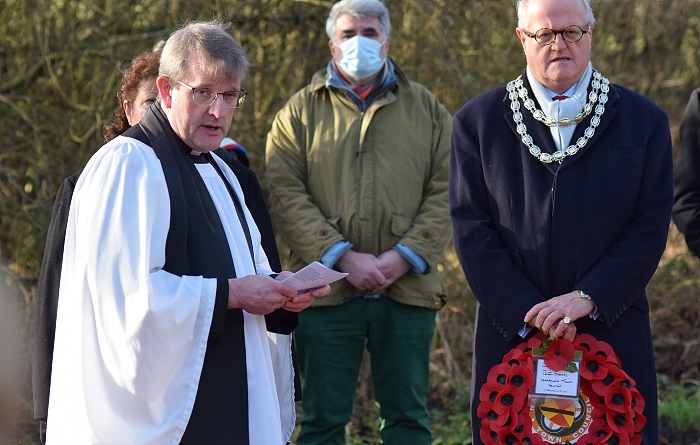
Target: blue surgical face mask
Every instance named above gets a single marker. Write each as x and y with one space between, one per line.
361 56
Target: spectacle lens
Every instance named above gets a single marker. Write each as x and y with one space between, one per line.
206 96
546 36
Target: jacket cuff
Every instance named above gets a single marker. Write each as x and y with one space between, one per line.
333 254
420 266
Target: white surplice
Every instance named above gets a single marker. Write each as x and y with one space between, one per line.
131 337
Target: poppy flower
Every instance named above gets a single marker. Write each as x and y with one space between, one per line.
528 438
559 354
600 387
517 357
603 349
583 342
598 433
487 436
523 432
507 420
490 422
508 437
499 374
484 411
627 381
531 438
521 377
638 402
636 440
601 439
598 405
524 424
493 421
509 397
618 399
616 439
621 423
489 392
639 421
598 428
593 367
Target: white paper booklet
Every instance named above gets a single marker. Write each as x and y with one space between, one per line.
313 275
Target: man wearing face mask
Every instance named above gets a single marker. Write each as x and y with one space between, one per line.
357 164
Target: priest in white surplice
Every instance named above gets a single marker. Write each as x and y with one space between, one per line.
161 334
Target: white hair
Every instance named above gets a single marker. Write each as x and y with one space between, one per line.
359 9
521 6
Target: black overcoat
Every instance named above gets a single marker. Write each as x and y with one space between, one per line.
686 210
525 231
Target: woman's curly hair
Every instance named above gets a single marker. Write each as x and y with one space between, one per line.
145 65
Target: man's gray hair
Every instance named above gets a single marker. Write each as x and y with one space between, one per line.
359 9
521 6
220 54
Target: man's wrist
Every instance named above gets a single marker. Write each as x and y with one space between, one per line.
595 312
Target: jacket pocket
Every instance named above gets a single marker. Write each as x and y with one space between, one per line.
625 153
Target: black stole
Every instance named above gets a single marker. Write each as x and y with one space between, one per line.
197 245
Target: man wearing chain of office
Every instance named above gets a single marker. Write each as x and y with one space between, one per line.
560 195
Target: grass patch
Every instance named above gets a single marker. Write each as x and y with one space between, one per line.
681 406
451 428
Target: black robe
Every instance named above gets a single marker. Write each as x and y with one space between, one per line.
217 416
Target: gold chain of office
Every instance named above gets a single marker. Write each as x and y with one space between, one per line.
599 94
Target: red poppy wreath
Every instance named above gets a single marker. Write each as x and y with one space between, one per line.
607 411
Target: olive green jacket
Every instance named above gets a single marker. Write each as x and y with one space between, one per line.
374 179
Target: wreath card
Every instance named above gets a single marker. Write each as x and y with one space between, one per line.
557 370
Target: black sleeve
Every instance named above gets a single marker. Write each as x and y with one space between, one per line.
686 208
47 297
218 318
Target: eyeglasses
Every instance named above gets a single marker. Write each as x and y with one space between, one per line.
206 96
546 36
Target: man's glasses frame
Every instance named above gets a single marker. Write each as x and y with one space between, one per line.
547 36
206 96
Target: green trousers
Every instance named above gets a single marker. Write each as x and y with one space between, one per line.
330 343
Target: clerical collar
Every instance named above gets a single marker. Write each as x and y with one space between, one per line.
198 157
